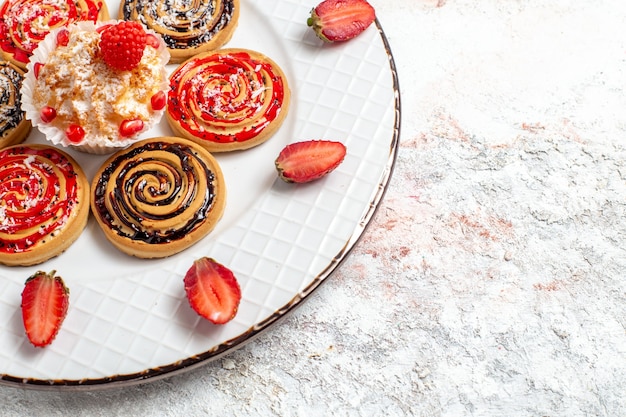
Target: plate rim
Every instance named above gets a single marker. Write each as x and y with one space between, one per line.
229 346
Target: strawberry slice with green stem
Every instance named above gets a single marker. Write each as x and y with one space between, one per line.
45 301
341 20
306 161
212 290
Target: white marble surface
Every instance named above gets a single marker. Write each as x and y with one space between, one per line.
492 281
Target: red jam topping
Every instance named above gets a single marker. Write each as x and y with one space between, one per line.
38 191
225 98
24 23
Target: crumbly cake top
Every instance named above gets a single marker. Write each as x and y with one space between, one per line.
85 91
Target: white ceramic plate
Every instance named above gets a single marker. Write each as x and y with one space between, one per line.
129 320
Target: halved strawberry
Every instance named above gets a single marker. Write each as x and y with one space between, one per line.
341 20
309 160
45 300
212 290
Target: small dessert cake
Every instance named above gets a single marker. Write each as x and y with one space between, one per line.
13 125
87 90
227 100
24 23
158 197
44 203
188 28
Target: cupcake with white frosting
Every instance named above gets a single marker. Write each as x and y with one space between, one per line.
82 92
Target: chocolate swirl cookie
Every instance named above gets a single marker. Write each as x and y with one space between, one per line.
25 23
158 197
228 100
187 28
44 203
13 125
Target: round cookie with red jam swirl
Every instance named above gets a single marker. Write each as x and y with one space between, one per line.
158 197
76 95
188 28
13 125
25 23
228 100
44 203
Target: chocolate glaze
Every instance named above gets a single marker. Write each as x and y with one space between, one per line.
207 21
125 216
10 99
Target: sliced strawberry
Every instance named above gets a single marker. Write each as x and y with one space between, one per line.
341 20
45 300
212 290
309 160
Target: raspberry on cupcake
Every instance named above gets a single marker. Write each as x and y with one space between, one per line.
122 45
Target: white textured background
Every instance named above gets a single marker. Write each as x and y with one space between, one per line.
492 281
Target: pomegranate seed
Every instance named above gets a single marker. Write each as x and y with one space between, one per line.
75 133
153 41
130 127
36 68
63 37
48 114
103 28
158 101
